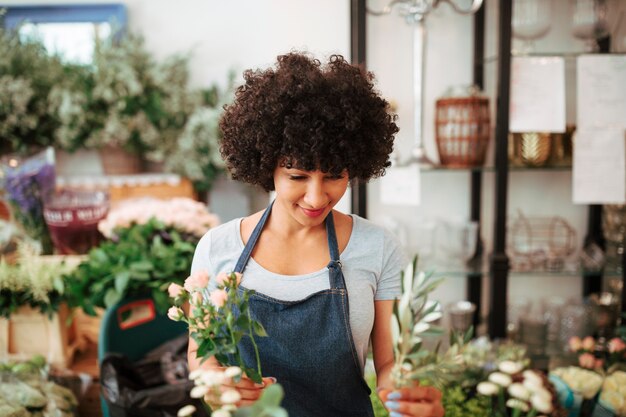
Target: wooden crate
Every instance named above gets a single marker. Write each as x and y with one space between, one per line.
28 332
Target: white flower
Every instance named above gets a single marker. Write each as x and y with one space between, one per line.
230 397
544 393
220 413
501 379
487 388
540 404
532 381
186 411
232 371
519 391
199 391
195 374
510 367
515 403
212 378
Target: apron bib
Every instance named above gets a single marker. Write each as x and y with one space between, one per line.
309 348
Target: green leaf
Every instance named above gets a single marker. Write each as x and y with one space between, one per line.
205 347
121 281
144 266
111 298
259 330
254 375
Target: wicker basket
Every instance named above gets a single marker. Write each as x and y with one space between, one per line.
117 161
462 131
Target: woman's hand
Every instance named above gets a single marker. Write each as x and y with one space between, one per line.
412 402
242 393
249 390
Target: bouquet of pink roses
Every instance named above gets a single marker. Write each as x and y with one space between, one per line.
218 320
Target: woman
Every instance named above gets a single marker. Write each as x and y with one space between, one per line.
326 281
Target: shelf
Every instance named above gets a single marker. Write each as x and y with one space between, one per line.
565 55
492 169
458 272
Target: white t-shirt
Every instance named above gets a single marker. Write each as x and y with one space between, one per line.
371 265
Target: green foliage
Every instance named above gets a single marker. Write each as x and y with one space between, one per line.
377 404
32 281
230 323
141 259
458 403
27 75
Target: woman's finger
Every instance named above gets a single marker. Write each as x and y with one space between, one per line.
416 393
414 409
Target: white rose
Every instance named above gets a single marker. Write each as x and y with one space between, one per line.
230 397
186 411
515 403
220 413
510 367
501 379
232 371
519 391
532 376
487 388
199 391
540 404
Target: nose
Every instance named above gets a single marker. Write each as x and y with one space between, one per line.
316 196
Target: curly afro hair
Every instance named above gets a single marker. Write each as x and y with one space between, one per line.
309 116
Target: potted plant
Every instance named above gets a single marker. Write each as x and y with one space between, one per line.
148 244
28 75
33 302
134 108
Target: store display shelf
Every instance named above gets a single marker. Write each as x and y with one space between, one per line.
563 168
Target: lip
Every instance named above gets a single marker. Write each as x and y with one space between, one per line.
312 213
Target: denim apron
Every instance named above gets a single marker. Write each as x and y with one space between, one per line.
309 348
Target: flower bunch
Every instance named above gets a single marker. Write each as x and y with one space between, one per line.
413 319
518 392
614 393
586 349
219 319
27 75
28 182
32 281
184 214
581 381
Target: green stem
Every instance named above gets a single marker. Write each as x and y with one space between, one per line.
237 354
501 400
256 348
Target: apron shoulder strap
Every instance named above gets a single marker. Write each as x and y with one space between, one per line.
254 237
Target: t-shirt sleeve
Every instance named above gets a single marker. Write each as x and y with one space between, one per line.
394 260
202 259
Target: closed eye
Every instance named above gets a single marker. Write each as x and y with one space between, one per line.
297 177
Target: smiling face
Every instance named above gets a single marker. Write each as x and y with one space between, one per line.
308 196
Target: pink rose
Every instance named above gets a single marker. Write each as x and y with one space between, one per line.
218 297
589 343
586 360
175 313
575 344
197 280
174 290
197 298
616 345
222 278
